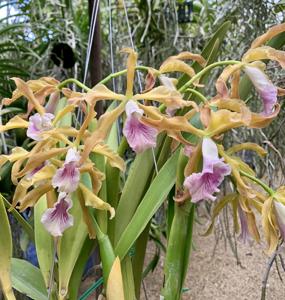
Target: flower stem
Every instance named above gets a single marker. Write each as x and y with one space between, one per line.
73 80
198 94
259 182
52 269
205 70
103 81
117 74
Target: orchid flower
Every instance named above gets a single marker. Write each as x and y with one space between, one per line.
39 124
139 136
67 178
57 219
203 185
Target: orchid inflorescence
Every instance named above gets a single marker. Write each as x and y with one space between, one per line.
60 154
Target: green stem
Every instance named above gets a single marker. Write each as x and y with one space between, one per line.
73 80
259 182
205 70
103 81
198 94
106 250
117 74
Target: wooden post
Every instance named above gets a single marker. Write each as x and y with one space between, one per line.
95 66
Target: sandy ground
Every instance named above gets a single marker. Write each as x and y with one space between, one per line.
219 277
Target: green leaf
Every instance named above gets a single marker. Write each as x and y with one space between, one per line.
26 226
133 191
43 240
78 270
152 200
178 251
210 51
5 253
28 279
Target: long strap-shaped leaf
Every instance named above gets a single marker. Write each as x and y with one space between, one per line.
5 253
152 200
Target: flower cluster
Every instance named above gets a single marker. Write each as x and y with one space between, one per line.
62 155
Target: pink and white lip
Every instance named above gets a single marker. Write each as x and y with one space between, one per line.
57 219
265 88
38 124
66 179
203 185
139 136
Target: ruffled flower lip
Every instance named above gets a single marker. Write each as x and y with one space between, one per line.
203 185
140 137
38 124
67 178
57 219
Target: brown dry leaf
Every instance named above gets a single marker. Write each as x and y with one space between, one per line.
115 289
150 79
268 35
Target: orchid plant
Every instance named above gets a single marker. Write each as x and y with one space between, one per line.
70 173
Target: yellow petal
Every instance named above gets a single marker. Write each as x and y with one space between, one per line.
45 173
131 65
33 196
27 92
38 158
268 35
221 84
86 217
223 120
101 92
171 98
21 191
265 52
247 146
176 65
104 125
261 121
115 290
35 86
94 201
15 122
96 177
270 231
113 158
67 109
186 55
